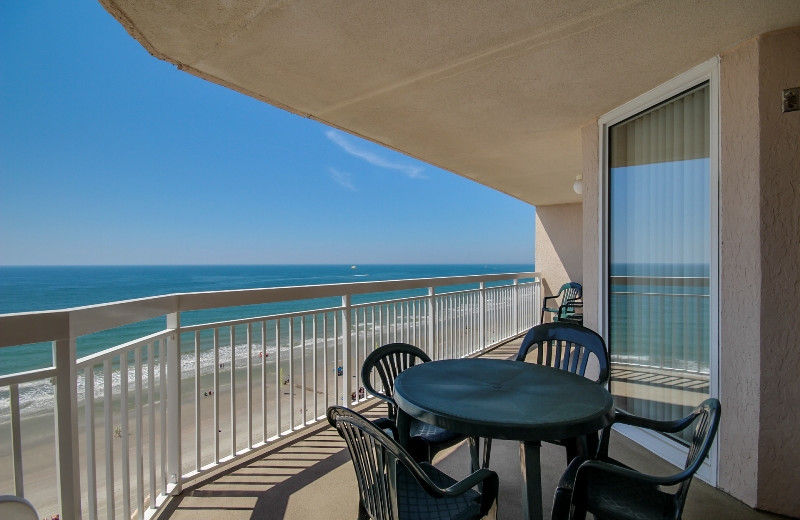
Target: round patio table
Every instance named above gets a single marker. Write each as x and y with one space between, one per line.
500 399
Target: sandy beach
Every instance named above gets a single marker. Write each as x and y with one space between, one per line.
38 437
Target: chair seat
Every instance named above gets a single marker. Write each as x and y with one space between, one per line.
433 434
614 497
626 499
414 503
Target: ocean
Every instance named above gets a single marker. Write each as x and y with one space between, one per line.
26 289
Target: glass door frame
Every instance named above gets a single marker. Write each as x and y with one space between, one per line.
661 445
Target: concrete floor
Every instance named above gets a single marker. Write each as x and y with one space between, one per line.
310 477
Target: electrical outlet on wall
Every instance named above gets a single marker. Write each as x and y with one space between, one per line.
791 99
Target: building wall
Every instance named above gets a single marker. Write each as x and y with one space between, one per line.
559 241
590 137
778 447
760 273
740 273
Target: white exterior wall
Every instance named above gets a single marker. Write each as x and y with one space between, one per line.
559 245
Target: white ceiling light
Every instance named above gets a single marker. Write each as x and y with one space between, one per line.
578 185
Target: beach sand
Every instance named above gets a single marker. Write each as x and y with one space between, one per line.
38 437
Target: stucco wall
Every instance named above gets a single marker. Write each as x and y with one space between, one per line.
760 273
590 135
779 450
740 272
559 241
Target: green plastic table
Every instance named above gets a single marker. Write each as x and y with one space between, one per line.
499 399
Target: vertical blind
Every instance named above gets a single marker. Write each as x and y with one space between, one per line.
659 254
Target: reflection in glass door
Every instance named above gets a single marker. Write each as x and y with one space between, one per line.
660 257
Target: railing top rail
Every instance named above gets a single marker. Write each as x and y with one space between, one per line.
41 326
27 377
257 319
110 353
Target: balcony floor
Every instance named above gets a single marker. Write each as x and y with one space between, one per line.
309 476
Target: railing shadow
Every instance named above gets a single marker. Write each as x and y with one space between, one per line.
262 487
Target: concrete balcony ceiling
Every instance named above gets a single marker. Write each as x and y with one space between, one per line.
494 91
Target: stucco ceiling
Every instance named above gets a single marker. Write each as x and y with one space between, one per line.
495 91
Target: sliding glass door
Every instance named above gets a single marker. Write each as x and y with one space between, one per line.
660 248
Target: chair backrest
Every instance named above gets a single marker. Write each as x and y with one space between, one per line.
13 507
572 291
375 457
388 362
566 346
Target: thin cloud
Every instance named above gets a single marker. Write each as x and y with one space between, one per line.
343 179
339 139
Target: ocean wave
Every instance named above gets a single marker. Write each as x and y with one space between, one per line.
38 397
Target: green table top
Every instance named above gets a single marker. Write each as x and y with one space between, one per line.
510 400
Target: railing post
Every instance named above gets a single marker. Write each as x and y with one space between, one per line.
539 299
515 305
347 384
174 404
482 326
66 422
433 335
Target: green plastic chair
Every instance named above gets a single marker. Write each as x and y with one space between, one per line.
387 362
565 346
609 489
570 295
393 486
569 347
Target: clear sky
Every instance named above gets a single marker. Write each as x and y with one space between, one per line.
110 156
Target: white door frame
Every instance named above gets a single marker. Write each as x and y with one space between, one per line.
709 71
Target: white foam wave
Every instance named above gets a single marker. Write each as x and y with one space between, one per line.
38 397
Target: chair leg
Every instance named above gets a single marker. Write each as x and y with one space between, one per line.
572 449
584 446
475 455
487 451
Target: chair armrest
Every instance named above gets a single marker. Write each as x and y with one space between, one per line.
569 307
622 417
544 302
651 424
489 483
365 382
598 468
470 482
459 488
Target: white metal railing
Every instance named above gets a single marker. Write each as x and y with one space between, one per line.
133 422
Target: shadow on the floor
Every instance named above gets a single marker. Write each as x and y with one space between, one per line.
262 487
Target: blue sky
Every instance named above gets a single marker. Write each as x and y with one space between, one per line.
110 156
